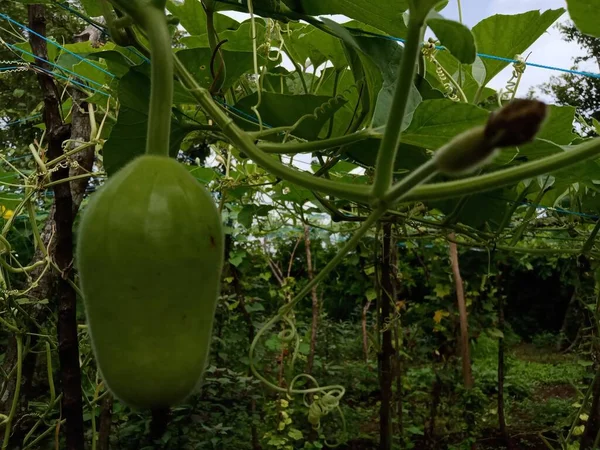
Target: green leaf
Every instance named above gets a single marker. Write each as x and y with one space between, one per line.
586 15
246 215
307 42
197 62
91 7
386 56
435 122
193 18
558 127
278 110
385 15
510 35
456 37
371 294
128 136
421 8
239 40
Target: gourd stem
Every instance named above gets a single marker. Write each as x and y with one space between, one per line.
389 145
161 95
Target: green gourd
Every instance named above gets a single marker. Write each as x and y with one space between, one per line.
150 255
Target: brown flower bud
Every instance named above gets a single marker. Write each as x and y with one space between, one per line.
516 123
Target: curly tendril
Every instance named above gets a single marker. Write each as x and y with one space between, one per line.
512 85
325 400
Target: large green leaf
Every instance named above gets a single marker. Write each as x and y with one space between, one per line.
239 40
435 122
385 15
456 37
193 18
307 42
128 137
586 15
510 35
386 56
365 153
91 7
197 62
478 210
279 110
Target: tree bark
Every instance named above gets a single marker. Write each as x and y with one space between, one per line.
387 350
592 427
462 309
58 132
501 327
315 302
105 423
365 335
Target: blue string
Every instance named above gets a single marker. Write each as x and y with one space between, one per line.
54 74
81 58
80 15
14 47
499 58
26 119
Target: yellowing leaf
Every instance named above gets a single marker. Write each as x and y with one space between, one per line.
6 213
439 315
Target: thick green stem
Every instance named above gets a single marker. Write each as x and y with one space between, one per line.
407 184
389 145
161 96
506 177
314 146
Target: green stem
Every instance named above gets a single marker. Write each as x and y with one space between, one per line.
314 146
506 177
15 402
589 244
161 95
245 143
410 182
389 145
528 215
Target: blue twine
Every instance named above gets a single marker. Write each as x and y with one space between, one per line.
54 74
14 47
81 58
26 119
80 15
499 58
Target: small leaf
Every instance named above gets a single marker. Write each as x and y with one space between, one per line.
456 37
371 294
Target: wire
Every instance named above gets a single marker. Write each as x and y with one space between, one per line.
14 47
29 30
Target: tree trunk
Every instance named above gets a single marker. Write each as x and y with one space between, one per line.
501 327
364 330
315 302
387 350
462 309
58 132
105 423
592 427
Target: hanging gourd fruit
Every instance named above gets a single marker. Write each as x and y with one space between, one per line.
149 255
